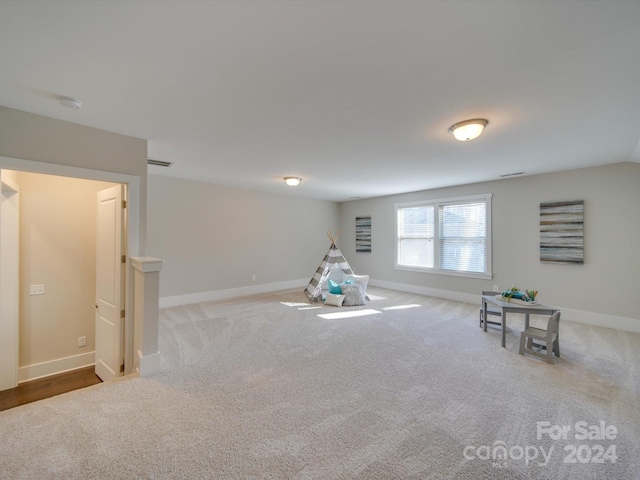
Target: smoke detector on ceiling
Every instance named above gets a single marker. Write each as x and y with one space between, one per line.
71 102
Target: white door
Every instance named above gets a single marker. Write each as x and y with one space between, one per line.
109 284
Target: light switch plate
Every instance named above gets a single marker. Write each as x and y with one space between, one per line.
36 290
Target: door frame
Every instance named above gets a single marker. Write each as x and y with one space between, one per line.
9 275
132 190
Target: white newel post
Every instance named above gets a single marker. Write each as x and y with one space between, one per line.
146 306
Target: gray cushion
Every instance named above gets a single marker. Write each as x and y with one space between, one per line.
353 295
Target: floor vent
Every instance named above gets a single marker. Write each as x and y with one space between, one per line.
158 163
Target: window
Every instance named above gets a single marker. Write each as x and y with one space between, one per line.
450 236
415 236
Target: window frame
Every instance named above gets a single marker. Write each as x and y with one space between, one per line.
436 204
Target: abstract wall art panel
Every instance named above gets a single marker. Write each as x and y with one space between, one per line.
363 234
562 232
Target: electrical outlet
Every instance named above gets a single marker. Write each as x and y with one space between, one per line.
496 288
253 278
82 341
36 290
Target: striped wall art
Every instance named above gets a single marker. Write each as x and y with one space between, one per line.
561 232
363 234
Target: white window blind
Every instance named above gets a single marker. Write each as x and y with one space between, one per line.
415 236
463 233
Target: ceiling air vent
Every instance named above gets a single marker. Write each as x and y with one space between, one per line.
158 163
512 174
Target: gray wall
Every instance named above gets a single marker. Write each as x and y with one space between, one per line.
608 281
213 237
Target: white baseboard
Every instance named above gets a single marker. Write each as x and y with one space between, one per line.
601 320
53 367
590 318
148 364
230 293
427 291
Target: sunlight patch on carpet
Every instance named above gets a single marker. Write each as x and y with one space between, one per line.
375 297
402 307
294 304
356 313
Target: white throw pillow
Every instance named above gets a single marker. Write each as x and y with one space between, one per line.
333 299
353 295
361 280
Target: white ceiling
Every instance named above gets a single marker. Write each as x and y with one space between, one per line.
355 97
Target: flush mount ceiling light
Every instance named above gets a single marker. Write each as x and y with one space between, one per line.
71 102
469 129
292 181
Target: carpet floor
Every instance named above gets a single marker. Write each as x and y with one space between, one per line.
406 387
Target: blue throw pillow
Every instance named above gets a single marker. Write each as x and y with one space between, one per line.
334 288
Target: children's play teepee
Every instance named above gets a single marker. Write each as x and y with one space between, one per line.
333 258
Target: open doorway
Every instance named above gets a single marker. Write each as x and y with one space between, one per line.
9 304
57 277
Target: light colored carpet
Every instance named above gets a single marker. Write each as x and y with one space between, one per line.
261 387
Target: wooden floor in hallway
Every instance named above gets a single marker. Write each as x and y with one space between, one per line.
42 388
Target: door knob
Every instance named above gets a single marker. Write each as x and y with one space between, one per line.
95 307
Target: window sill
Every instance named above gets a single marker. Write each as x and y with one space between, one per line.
451 273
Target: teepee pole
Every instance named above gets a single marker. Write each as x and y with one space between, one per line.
333 238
